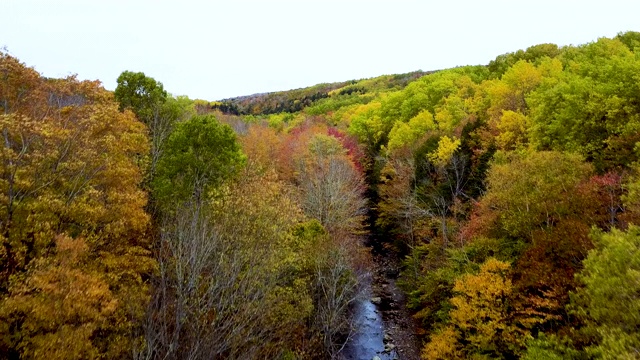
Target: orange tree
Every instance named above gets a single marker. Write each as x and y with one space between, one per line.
73 251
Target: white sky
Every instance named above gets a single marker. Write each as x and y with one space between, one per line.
218 49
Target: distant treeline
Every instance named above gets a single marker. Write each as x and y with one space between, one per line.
295 100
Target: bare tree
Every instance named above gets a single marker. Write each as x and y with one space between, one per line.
211 291
332 192
337 287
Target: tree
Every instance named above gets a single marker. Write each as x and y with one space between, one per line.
21 87
533 54
482 320
331 188
74 255
200 154
591 107
140 93
151 104
399 208
606 305
336 287
532 190
443 346
370 129
235 276
539 206
630 38
512 130
64 303
609 300
403 134
262 145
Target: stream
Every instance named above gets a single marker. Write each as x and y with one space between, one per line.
369 342
384 327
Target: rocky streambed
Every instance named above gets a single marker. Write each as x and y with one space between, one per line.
370 341
385 329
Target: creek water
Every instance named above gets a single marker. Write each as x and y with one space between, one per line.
368 342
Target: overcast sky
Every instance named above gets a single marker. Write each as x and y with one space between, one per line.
218 49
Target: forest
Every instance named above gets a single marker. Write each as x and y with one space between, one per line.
135 224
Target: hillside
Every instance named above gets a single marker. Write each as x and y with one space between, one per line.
298 99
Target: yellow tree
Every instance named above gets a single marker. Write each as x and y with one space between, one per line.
482 309
69 168
262 145
64 304
506 100
482 321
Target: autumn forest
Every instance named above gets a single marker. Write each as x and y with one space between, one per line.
135 224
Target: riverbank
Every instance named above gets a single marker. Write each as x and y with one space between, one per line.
399 325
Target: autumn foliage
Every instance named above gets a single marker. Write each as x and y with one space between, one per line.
136 224
75 254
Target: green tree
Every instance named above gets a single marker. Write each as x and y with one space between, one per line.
200 154
592 107
141 94
533 54
403 134
609 299
630 38
532 190
154 107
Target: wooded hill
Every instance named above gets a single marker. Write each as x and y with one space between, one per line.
138 224
296 100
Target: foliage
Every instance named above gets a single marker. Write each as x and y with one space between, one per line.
141 94
532 54
482 316
403 134
74 258
552 348
154 107
485 180
591 108
200 154
608 301
331 187
523 192
445 151
234 275
314 100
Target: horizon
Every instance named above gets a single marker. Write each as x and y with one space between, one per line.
220 50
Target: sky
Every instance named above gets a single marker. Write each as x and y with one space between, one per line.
219 49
